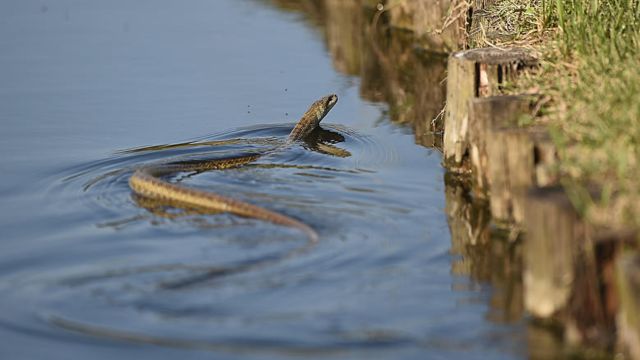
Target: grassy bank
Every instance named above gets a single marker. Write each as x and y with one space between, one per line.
590 76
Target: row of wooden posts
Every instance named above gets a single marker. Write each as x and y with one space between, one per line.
583 278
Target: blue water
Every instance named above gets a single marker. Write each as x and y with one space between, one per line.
85 267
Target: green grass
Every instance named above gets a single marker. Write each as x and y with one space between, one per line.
591 72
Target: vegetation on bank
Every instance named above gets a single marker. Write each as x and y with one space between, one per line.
590 79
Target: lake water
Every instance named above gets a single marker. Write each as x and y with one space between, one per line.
92 89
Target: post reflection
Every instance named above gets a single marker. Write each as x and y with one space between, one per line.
392 67
486 254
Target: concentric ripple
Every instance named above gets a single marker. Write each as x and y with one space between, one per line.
160 264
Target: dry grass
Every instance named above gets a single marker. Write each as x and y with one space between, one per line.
590 75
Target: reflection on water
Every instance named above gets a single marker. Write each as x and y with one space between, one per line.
487 255
392 68
493 257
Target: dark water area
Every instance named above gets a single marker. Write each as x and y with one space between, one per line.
92 90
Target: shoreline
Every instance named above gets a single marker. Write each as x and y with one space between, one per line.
540 130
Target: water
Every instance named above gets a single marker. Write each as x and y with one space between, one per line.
91 90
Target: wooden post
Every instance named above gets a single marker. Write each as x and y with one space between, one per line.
461 87
474 73
568 269
511 173
590 317
545 157
486 115
506 160
518 158
628 281
554 234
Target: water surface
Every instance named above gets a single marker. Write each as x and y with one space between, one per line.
91 90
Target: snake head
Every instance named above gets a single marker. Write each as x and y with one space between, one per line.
323 106
311 119
330 100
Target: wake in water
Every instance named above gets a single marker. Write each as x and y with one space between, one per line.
156 252
319 158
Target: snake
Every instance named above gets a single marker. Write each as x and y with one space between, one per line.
148 181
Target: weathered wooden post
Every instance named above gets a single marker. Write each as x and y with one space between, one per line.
568 268
590 318
474 73
518 159
486 115
554 234
506 159
511 173
545 157
628 281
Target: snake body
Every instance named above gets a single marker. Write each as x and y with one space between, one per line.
147 181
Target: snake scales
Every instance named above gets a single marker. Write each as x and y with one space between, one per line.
147 181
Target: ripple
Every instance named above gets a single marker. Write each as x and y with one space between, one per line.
379 340
169 264
104 182
373 153
290 180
